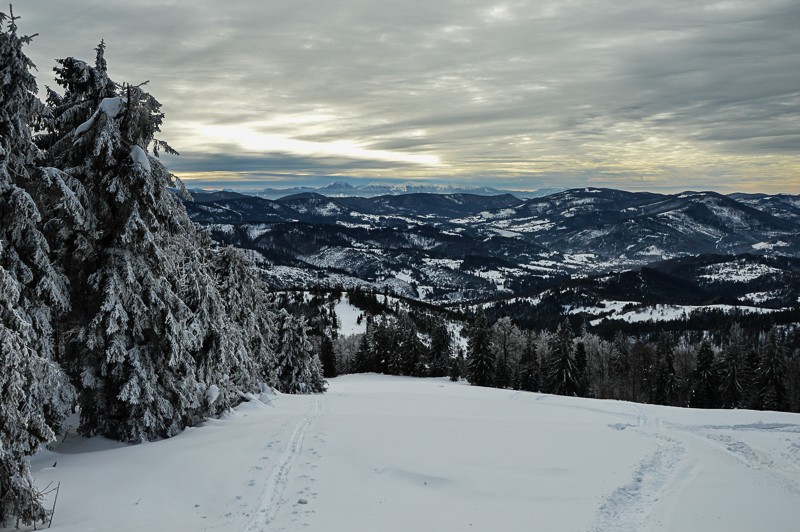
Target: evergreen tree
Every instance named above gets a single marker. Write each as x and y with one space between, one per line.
440 352
133 349
529 366
232 322
408 351
772 373
561 374
665 382
360 361
455 369
581 370
299 368
619 367
750 377
327 357
168 328
733 370
705 380
480 360
34 394
505 337
384 357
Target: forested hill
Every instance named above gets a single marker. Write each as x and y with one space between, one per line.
692 247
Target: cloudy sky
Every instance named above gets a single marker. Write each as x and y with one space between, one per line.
643 94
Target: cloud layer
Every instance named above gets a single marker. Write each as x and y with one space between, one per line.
637 95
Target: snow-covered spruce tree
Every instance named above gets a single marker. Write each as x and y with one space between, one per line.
299 368
34 394
161 337
234 318
480 359
132 347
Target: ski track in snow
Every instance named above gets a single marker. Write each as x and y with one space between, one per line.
646 502
273 496
784 472
633 506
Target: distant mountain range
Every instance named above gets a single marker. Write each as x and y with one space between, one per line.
454 248
344 189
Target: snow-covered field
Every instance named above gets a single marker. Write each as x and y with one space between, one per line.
392 453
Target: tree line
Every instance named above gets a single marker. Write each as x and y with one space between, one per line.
729 367
112 303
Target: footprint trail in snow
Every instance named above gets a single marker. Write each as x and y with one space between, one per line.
273 496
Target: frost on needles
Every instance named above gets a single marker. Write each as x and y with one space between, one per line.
113 302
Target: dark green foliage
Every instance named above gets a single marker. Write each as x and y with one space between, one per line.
561 373
455 369
506 342
675 369
439 354
665 383
480 360
705 379
581 370
619 366
407 356
529 373
771 376
328 358
361 362
734 373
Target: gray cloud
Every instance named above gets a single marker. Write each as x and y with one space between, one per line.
636 95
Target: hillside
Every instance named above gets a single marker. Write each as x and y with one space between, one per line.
464 458
698 248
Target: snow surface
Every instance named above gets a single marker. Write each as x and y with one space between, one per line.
398 454
737 272
662 312
138 156
769 245
347 316
109 106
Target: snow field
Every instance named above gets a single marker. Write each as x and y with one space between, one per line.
348 315
396 453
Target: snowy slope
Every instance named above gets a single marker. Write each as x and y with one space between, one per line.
348 316
393 453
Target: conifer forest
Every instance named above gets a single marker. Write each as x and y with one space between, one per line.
113 303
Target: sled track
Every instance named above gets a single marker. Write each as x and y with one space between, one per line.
272 498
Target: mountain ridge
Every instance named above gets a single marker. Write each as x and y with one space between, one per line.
448 248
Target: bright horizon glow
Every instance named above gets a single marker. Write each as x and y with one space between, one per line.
250 140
